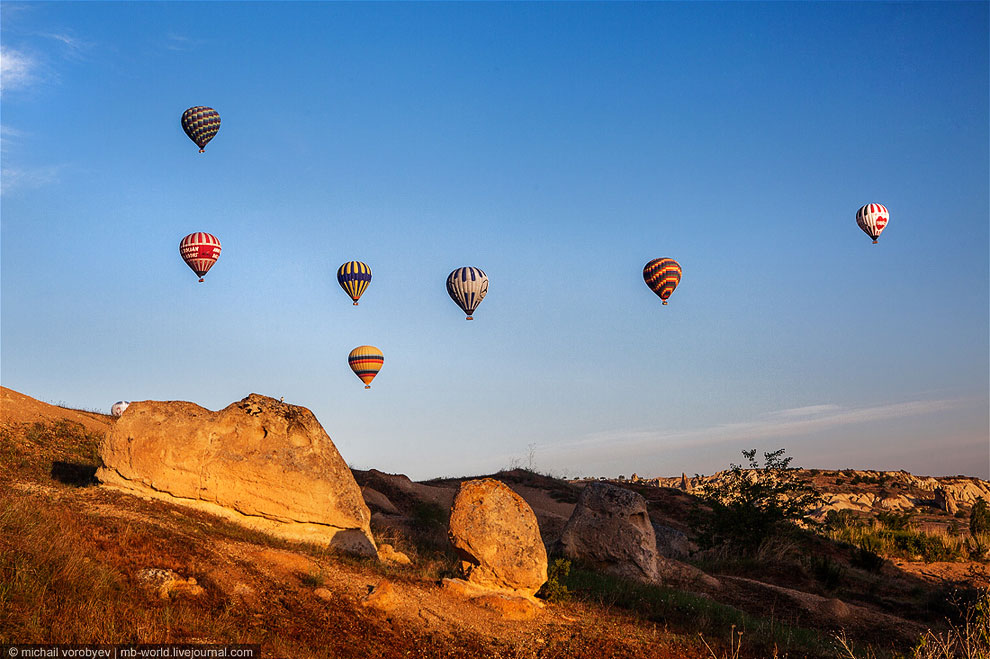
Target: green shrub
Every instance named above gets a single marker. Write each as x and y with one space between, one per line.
867 555
979 517
827 571
837 520
894 521
751 505
555 590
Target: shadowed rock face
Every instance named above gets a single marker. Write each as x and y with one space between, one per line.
610 530
259 462
496 534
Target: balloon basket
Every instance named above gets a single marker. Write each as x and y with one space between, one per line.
469 318
201 280
355 304
665 302
202 150
367 386
874 241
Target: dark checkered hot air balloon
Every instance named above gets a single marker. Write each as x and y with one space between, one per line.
662 276
201 124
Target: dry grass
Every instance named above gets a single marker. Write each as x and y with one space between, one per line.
967 637
903 541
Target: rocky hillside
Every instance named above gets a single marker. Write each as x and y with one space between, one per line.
82 562
865 491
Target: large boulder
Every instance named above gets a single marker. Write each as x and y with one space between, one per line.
610 530
672 543
497 537
259 462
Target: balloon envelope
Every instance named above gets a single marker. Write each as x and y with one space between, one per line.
200 251
354 278
118 408
872 218
662 276
467 287
366 361
201 124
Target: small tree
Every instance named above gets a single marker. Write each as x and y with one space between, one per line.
749 505
979 517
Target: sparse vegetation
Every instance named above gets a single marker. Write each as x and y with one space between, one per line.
555 589
827 571
692 613
891 536
967 637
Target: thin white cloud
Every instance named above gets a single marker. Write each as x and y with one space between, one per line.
783 423
182 43
75 46
17 70
14 178
810 410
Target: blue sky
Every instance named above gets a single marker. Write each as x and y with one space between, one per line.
559 147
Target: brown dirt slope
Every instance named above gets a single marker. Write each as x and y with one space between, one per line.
17 408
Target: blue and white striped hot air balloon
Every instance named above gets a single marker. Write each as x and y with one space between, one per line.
467 287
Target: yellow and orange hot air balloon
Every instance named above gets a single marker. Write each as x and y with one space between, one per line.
366 361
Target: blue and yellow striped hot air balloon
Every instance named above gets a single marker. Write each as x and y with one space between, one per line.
201 124
467 287
354 278
366 361
662 276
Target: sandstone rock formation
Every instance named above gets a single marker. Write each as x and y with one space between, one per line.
497 537
259 462
945 501
378 502
611 531
383 597
389 554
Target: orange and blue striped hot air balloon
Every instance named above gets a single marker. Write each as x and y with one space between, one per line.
872 218
201 124
366 361
662 276
200 251
354 278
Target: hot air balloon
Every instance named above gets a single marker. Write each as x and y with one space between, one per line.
872 218
354 278
366 361
118 408
200 251
467 287
201 124
662 276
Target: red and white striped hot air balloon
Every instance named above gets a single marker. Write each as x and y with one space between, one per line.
200 251
872 218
